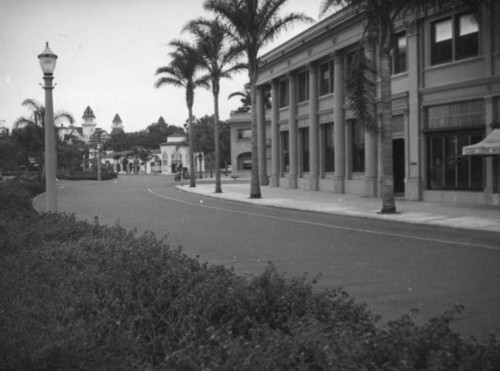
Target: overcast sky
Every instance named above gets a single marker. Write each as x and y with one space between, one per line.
108 52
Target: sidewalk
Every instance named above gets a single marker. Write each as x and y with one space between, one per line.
479 218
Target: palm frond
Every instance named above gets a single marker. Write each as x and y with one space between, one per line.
168 81
360 89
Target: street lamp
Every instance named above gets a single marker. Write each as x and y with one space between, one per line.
48 64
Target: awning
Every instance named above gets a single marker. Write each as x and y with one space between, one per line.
489 146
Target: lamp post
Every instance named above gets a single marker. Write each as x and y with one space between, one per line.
48 63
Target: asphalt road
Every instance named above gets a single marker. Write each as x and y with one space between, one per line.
393 267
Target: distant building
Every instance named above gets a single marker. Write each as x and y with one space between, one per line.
84 133
175 155
445 97
116 124
88 124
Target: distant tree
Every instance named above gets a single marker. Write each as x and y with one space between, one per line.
118 141
157 133
29 132
70 155
182 72
8 154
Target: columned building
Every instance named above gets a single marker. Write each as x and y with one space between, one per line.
445 96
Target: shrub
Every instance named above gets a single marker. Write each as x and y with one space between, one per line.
106 174
75 295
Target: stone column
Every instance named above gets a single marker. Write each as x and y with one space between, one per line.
292 124
371 135
339 125
413 186
275 135
261 137
313 128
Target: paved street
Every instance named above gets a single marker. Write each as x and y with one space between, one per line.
392 266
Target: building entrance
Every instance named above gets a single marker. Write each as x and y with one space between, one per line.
398 158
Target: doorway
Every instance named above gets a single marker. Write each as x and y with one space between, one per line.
398 159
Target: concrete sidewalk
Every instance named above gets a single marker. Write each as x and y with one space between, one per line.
479 218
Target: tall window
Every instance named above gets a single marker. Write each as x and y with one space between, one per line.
454 38
451 129
357 147
285 155
400 54
304 149
447 168
283 93
303 86
327 146
326 78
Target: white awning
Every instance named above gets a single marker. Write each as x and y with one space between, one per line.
489 146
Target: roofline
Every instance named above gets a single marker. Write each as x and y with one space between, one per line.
332 21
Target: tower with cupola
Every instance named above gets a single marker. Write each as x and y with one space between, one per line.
117 124
88 125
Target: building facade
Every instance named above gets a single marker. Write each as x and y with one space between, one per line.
445 96
175 156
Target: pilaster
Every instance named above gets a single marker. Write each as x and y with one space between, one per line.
292 124
275 149
339 125
261 137
313 128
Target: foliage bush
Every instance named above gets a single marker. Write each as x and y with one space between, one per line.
106 174
75 295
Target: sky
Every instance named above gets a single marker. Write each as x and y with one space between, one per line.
108 52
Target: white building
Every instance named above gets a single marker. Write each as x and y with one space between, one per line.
175 155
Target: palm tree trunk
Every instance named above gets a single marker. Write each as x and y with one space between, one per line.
218 187
388 201
192 182
254 181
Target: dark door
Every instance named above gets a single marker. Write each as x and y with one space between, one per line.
398 156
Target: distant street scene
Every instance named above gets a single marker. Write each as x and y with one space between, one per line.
431 270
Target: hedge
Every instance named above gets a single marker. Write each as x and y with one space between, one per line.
87 175
75 295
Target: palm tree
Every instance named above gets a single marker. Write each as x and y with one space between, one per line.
381 16
181 72
219 60
246 98
29 131
251 24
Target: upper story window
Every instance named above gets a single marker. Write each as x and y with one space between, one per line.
283 93
303 86
244 134
326 78
400 54
454 38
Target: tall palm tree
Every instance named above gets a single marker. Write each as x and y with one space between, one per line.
246 98
252 24
29 131
381 16
182 72
219 60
